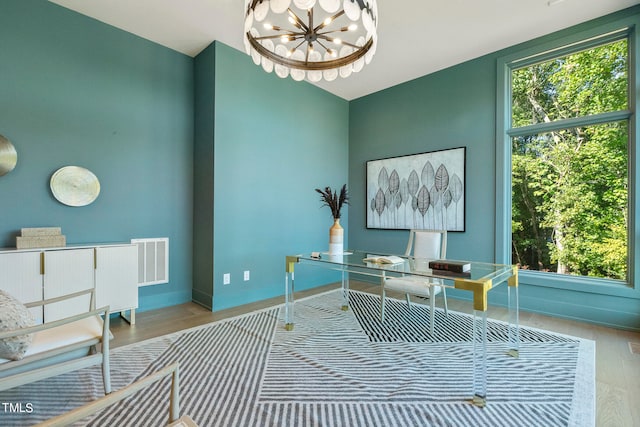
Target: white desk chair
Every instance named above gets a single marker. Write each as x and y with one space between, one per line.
423 245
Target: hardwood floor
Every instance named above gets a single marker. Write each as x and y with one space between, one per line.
617 368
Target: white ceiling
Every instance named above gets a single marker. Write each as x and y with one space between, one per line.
415 37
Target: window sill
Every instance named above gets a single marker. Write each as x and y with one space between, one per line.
578 283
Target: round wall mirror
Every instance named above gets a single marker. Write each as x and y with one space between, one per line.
8 156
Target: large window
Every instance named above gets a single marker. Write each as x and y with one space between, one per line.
569 136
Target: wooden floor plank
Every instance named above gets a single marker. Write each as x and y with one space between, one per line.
613 408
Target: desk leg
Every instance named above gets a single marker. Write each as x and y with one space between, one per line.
478 336
288 291
514 316
288 300
345 290
479 358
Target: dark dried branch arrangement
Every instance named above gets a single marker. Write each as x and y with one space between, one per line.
335 201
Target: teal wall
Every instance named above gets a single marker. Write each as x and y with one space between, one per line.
74 91
457 107
447 109
274 142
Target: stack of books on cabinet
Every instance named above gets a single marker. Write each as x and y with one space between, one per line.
41 237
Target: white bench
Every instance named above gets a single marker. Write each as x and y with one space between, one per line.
61 346
174 419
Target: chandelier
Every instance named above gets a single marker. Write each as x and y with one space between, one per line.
303 40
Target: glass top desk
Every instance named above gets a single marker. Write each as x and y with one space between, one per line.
482 278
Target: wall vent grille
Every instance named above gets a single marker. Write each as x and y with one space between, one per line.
153 260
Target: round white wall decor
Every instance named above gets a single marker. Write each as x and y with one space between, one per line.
75 186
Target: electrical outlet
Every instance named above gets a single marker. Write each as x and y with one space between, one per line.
226 279
246 275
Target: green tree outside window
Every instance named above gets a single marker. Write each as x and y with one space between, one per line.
570 184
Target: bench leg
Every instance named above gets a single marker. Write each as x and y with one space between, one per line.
106 374
106 370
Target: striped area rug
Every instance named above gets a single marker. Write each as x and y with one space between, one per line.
335 369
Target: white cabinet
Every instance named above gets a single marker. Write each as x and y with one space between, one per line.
20 275
34 274
66 272
116 278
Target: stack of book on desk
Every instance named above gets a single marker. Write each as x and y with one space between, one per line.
445 266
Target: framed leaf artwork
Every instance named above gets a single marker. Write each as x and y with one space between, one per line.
420 191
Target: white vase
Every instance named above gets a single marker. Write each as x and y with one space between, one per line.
336 238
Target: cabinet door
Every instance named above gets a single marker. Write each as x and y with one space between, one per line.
117 277
65 272
20 276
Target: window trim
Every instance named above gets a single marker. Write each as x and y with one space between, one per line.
552 48
591 120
